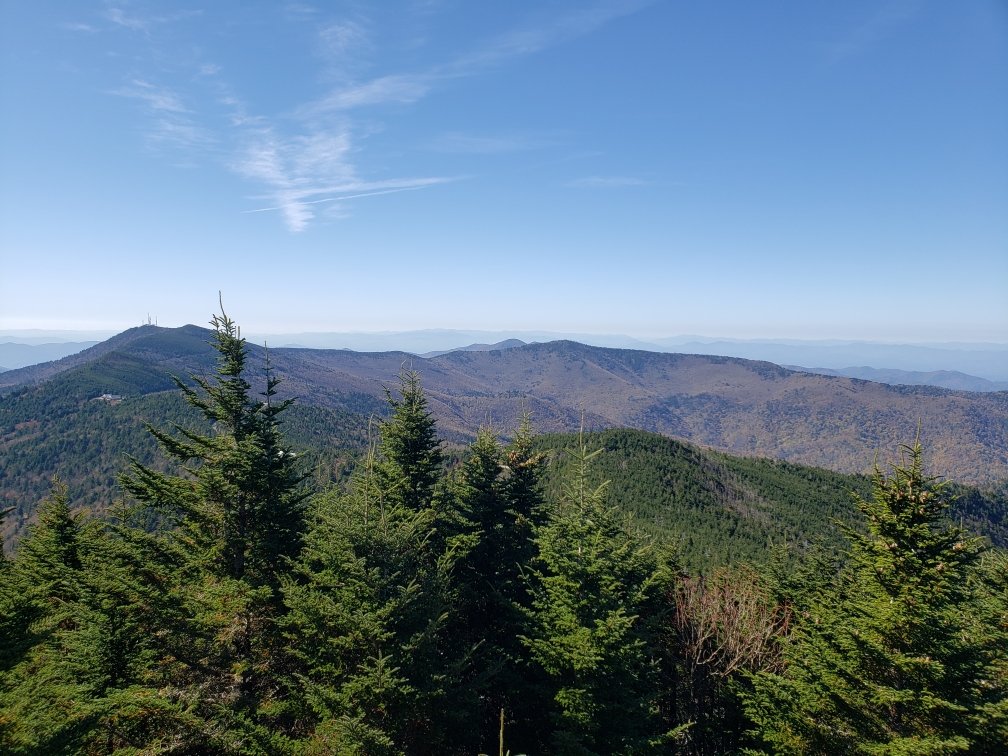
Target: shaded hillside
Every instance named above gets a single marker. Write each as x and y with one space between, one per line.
85 441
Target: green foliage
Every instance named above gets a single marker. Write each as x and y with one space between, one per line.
412 460
73 678
43 589
989 722
593 624
369 600
499 502
405 608
237 511
891 659
715 509
61 427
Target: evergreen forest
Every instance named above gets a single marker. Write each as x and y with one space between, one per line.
523 595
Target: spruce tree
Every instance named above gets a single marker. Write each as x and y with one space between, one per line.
989 721
890 661
237 515
498 497
42 588
412 462
345 600
593 626
371 598
411 475
78 679
16 614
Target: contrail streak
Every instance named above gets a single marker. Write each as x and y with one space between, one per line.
337 199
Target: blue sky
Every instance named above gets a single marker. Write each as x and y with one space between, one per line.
746 169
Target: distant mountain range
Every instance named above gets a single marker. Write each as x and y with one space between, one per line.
736 405
53 420
951 379
506 344
985 360
988 361
15 355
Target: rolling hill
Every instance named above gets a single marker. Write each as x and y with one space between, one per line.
721 509
50 421
732 404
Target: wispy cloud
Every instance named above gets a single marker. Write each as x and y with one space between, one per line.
340 39
548 32
80 26
395 88
285 167
607 182
308 158
298 183
300 11
158 98
406 88
172 122
882 20
122 16
179 134
396 185
298 171
311 170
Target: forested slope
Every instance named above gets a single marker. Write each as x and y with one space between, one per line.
85 441
717 509
433 608
739 406
55 422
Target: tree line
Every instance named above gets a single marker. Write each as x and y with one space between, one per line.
225 607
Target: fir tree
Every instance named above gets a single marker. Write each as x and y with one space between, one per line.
412 462
372 595
237 510
498 498
42 588
345 599
890 661
989 722
78 682
592 627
